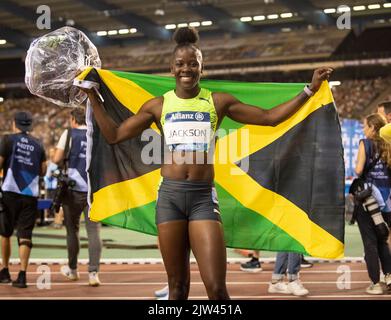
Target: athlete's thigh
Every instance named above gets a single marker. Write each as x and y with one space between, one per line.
175 247
208 246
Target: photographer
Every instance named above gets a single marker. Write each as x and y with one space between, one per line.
384 109
75 197
373 162
23 159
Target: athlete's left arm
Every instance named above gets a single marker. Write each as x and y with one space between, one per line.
248 114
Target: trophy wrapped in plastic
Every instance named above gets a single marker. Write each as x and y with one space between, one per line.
54 60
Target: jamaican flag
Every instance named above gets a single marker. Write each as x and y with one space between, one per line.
284 192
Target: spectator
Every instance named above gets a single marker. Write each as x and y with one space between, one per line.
287 262
252 265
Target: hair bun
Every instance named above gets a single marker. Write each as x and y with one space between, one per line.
186 35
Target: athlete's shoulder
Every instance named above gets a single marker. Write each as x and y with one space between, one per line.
153 103
223 99
153 107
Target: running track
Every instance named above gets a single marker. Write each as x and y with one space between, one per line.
138 282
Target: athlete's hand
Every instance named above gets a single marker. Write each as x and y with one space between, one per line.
319 76
89 91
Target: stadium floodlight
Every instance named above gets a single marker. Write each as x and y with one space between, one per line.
343 8
334 83
359 8
259 18
246 19
101 33
159 12
286 15
272 16
194 24
112 32
330 10
182 25
123 31
170 26
387 5
206 23
133 30
374 6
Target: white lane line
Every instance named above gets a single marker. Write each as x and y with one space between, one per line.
376 297
135 283
192 260
196 271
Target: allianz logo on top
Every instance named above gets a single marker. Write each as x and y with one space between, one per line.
199 116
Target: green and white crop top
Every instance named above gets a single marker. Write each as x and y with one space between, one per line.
189 124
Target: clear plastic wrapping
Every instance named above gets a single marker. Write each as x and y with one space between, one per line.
54 60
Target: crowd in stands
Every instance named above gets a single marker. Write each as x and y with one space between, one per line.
256 47
352 98
49 119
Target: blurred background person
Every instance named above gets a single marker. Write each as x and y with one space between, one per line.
23 160
287 263
373 163
50 181
75 198
253 265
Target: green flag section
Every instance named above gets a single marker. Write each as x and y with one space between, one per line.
283 192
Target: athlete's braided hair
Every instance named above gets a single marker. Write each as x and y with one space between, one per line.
186 37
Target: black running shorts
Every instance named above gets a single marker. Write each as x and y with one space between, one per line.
186 200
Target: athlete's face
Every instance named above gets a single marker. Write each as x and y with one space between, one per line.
187 67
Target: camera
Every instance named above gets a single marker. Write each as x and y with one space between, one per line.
63 184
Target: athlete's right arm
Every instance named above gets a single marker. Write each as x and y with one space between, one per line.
130 128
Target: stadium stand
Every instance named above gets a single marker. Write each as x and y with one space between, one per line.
352 99
255 47
49 119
